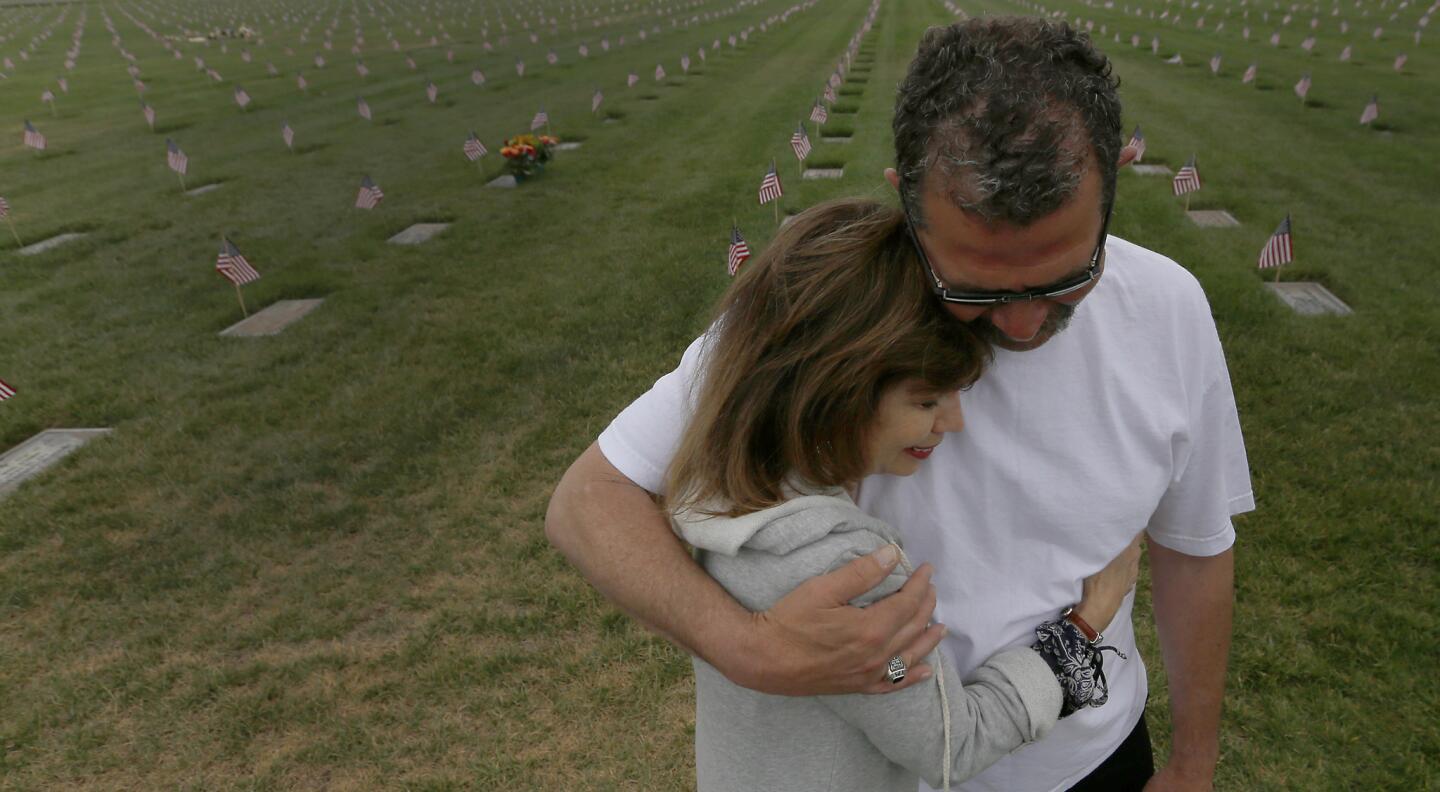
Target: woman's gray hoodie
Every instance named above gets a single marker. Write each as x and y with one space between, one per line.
754 742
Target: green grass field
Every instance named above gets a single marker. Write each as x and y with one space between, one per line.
316 560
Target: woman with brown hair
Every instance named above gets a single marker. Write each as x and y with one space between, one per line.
829 361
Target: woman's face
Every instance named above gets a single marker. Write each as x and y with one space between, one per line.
908 425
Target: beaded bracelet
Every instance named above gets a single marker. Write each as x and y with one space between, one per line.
1076 662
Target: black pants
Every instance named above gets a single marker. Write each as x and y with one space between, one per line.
1127 769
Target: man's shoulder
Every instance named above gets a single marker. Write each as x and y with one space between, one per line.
1152 283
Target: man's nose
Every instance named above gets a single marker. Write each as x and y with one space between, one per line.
948 416
1020 321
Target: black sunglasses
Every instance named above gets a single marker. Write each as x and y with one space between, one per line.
1002 297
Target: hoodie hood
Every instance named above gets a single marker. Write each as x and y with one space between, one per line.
779 529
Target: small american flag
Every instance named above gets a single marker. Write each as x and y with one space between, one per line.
1187 179
596 100
4 208
1303 87
800 143
241 98
370 194
770 188
474 149
63 83
300 81
584 51
830 95
685 63
1279 248
1308 44
47 96
659 72
477 77
739 251
1345 53
431 92
1371 111
1400 62
1137 142
33 138
363 107
631 80
288 135
519 68
149 113
319 62
6 390
361 69
818 113
551 58
541 119
176 158
1249 75
1215 63
233 266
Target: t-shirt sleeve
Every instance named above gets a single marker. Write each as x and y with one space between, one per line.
642 439
1211 479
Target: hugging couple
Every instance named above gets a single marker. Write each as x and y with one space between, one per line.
868 607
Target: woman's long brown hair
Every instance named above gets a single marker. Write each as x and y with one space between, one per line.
805 341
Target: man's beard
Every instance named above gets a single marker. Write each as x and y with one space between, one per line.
1058 319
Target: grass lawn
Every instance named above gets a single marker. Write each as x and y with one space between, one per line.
317 559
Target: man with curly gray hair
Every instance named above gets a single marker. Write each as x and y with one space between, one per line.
1107 411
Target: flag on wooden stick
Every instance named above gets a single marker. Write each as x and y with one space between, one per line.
800 143
1249 75
739 251
818 113
363 107
33 138
1302 88
149 113
770 188
370 194
1137 142
288 135
541 119
242 98
232 265
1371 111
1187 179
1279 248
175 158
596 99
473 148
432 92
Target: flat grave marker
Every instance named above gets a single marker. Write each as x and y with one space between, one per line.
49 244
40 452
836 139
275 318
1212 218
418 233
1152 170
204 188
506 182
1309 299
569 146
823 173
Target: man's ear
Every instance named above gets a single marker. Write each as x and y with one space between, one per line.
893 177
1127 156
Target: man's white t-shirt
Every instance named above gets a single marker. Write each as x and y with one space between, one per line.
1123 422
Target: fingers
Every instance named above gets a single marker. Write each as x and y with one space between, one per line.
856 577
917 671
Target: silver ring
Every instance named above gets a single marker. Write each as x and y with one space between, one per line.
895 670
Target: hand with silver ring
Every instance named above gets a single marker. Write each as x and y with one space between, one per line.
895 670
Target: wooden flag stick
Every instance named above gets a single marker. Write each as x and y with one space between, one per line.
1187 202
182 180
777 212
11 221
241 296
1277 274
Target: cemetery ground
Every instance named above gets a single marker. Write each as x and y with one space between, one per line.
316 559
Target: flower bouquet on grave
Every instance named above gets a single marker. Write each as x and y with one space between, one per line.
526 155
